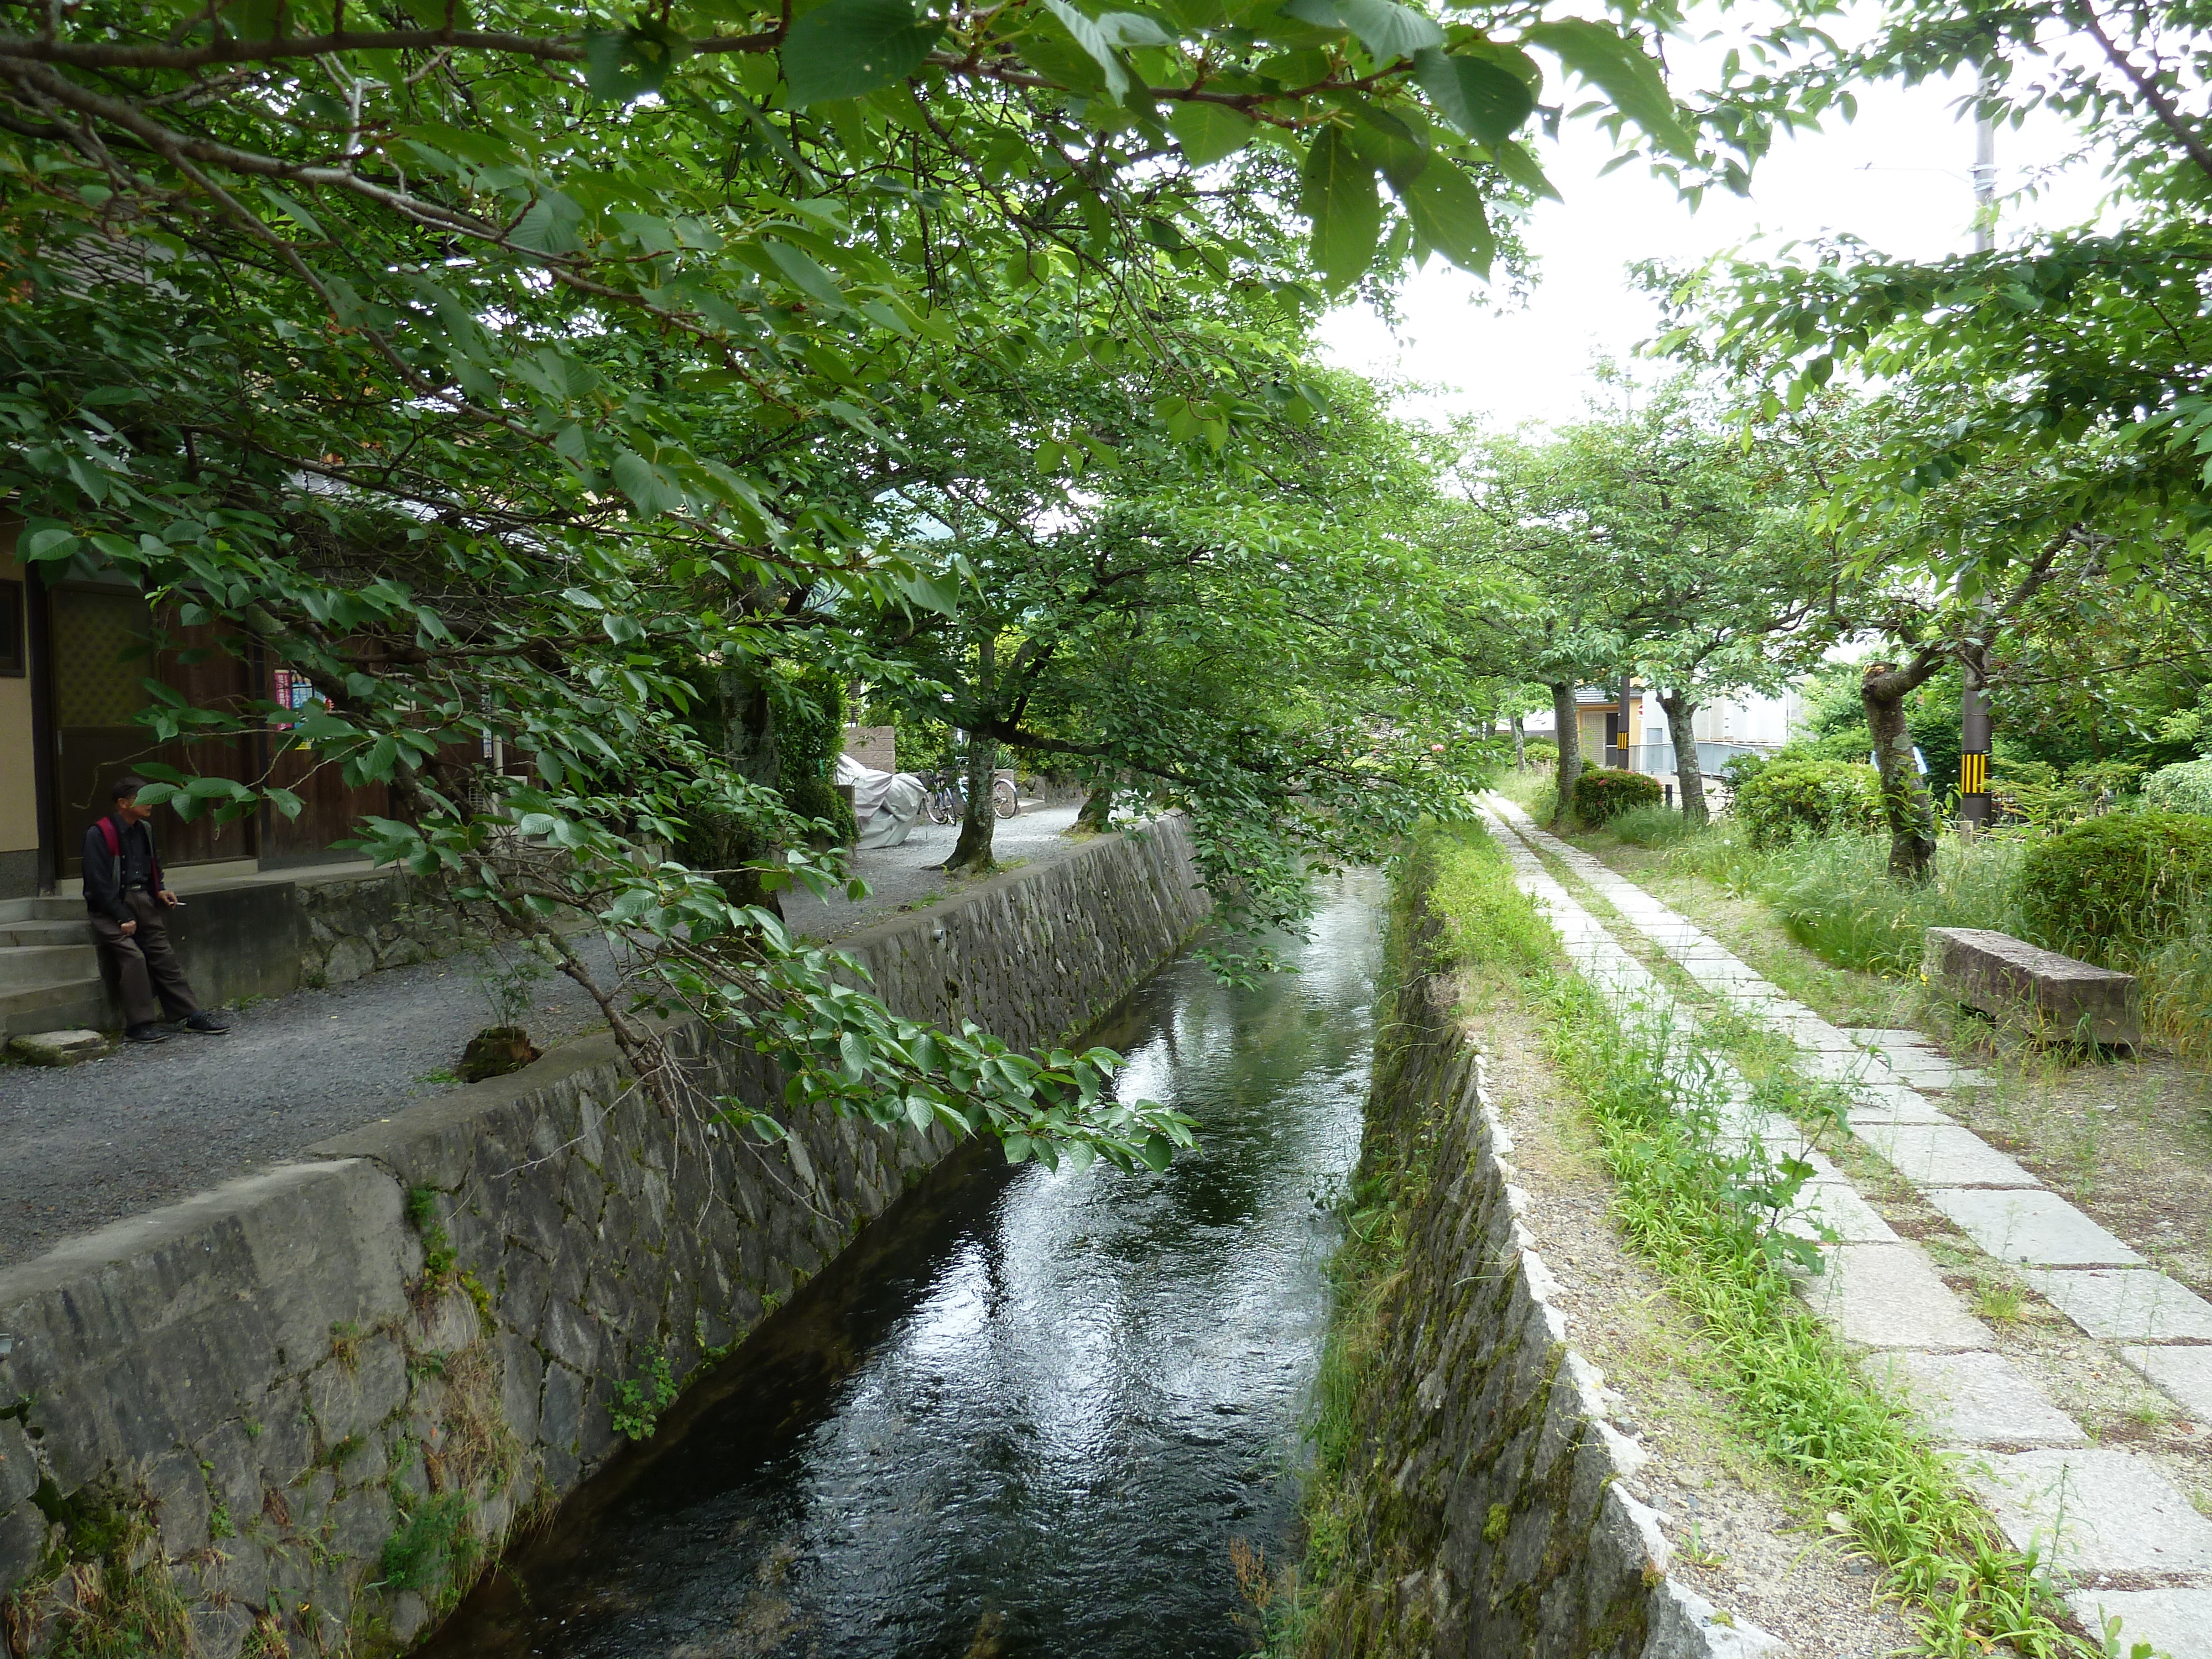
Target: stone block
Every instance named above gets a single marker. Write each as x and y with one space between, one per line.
351 1395
18 1466
1877 1103
219 1631
2129 1304
1943 1155
2184 1374
2177 1623
1887 1295
59 1048
180 1502
1685 1625
22 1543
2011 980
1836 1206
2033 1228
2092 1511
1974 1400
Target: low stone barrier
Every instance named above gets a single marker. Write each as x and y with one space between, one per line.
2020 983
1495 1520
301 1411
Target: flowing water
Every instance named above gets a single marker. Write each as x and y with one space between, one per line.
1027 1413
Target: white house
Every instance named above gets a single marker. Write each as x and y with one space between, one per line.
1748 723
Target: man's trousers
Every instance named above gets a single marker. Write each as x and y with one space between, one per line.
144 964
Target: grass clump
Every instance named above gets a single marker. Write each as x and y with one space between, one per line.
434 1547
1681 1200
1652 826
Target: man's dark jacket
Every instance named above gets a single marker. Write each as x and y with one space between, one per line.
104 883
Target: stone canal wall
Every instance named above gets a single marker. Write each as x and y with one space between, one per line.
1490 1519
295 1414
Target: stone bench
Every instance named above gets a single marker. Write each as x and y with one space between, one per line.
2014 981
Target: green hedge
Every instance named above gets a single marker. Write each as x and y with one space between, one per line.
2109 889
1785 799
1603 791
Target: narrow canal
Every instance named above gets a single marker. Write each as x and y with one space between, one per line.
1029 1412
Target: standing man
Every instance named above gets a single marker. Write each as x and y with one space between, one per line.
129 901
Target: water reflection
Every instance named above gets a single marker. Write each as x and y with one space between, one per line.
1027 1415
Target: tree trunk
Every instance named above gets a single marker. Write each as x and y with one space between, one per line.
1681 731
1904 803
1098 810
749 744
1566 721
973 850
1519 746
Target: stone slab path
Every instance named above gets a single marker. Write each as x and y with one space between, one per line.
2093 1512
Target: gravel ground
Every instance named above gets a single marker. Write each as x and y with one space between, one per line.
905 877
145 1126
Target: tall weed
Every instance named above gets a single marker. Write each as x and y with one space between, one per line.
1652 826
1836 896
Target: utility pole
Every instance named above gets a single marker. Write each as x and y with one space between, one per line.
1973 665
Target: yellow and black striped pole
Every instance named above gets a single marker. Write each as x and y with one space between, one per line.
1974 785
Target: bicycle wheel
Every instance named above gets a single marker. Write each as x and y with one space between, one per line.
1005 800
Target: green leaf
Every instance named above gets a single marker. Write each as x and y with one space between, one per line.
284 801
1209 131
1098 38
805 274
1385 141
1618 66
550 226
1337 193
619 67
1447 213
653 489
1483 99
1386 30
850 47
1518 165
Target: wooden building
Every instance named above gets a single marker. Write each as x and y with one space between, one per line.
76 650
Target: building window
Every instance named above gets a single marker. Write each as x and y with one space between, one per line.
12 650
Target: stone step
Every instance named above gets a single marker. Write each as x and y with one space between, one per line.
1888 1296
2127 1305
57 1006
29 966
1974 1399
45 908
2032 1229
2093 1511
2184 1374
2177 1623
72 931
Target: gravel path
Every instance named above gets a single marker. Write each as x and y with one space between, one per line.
905 877
148 1126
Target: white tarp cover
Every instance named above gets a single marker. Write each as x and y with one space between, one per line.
886 804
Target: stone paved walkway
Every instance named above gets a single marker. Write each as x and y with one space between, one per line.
2095 1513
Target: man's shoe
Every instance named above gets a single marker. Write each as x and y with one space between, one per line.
145 1034
205 1023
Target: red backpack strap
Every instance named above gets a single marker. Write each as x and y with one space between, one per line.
114 841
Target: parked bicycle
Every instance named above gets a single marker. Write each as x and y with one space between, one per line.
948 797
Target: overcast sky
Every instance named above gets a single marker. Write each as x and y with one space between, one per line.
1900 177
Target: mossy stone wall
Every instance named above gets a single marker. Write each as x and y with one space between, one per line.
296 1414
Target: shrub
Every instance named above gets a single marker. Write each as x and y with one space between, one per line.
1540 751
2113 888
1737 770
2183 788
1603 791
1785 799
